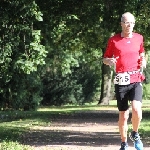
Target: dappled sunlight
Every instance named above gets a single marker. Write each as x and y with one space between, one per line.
76 108
80 128
74 129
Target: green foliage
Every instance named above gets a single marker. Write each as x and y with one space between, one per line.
67 39
76 88
146 70
75 39
142 19
28 95
21 52
34 55
74 47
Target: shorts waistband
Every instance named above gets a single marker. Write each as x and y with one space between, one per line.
129 72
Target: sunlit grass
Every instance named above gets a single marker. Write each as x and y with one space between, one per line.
14 146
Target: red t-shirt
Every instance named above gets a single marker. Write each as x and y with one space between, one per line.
128 51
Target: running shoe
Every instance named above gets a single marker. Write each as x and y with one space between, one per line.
124 146
134 136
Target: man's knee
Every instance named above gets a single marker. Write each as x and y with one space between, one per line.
137 110
136 105
137 114
123 117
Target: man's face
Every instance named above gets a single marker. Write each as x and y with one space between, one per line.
128 24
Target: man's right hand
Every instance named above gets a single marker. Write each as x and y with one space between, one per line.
110 61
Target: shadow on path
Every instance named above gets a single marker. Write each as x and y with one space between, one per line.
90 128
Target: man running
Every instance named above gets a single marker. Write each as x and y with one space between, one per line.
126 52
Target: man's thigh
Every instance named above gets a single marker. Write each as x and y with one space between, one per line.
136 92
122 97
124 93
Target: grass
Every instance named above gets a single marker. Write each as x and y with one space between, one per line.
14 146
14 123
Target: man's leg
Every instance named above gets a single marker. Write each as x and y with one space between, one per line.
122 123
136 119
136 114
122 104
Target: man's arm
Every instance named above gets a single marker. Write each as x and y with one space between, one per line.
110 61
142 60
106 61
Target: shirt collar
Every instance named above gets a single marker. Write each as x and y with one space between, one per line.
131 35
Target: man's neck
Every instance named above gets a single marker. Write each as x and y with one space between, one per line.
126 35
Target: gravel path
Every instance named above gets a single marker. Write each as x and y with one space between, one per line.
91 130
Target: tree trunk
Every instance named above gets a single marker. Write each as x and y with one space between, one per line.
107 74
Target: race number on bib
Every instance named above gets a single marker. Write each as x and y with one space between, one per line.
122 79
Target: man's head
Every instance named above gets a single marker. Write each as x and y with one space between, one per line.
127 23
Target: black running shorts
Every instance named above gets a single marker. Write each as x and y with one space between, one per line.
126 93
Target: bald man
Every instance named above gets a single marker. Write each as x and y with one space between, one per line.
125 51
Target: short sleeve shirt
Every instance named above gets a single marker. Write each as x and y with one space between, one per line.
128 52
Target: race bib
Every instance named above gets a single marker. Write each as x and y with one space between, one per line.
122 79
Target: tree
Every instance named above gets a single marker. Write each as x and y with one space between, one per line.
20 50
73 38
110 23
75 34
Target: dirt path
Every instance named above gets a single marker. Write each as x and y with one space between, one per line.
93 130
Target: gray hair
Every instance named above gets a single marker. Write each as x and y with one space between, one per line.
125 14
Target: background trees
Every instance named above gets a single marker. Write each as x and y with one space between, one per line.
69 40
20 53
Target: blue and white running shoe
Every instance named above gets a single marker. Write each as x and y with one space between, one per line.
124 146
134 136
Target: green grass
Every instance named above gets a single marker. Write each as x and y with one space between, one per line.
14 123
14 146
